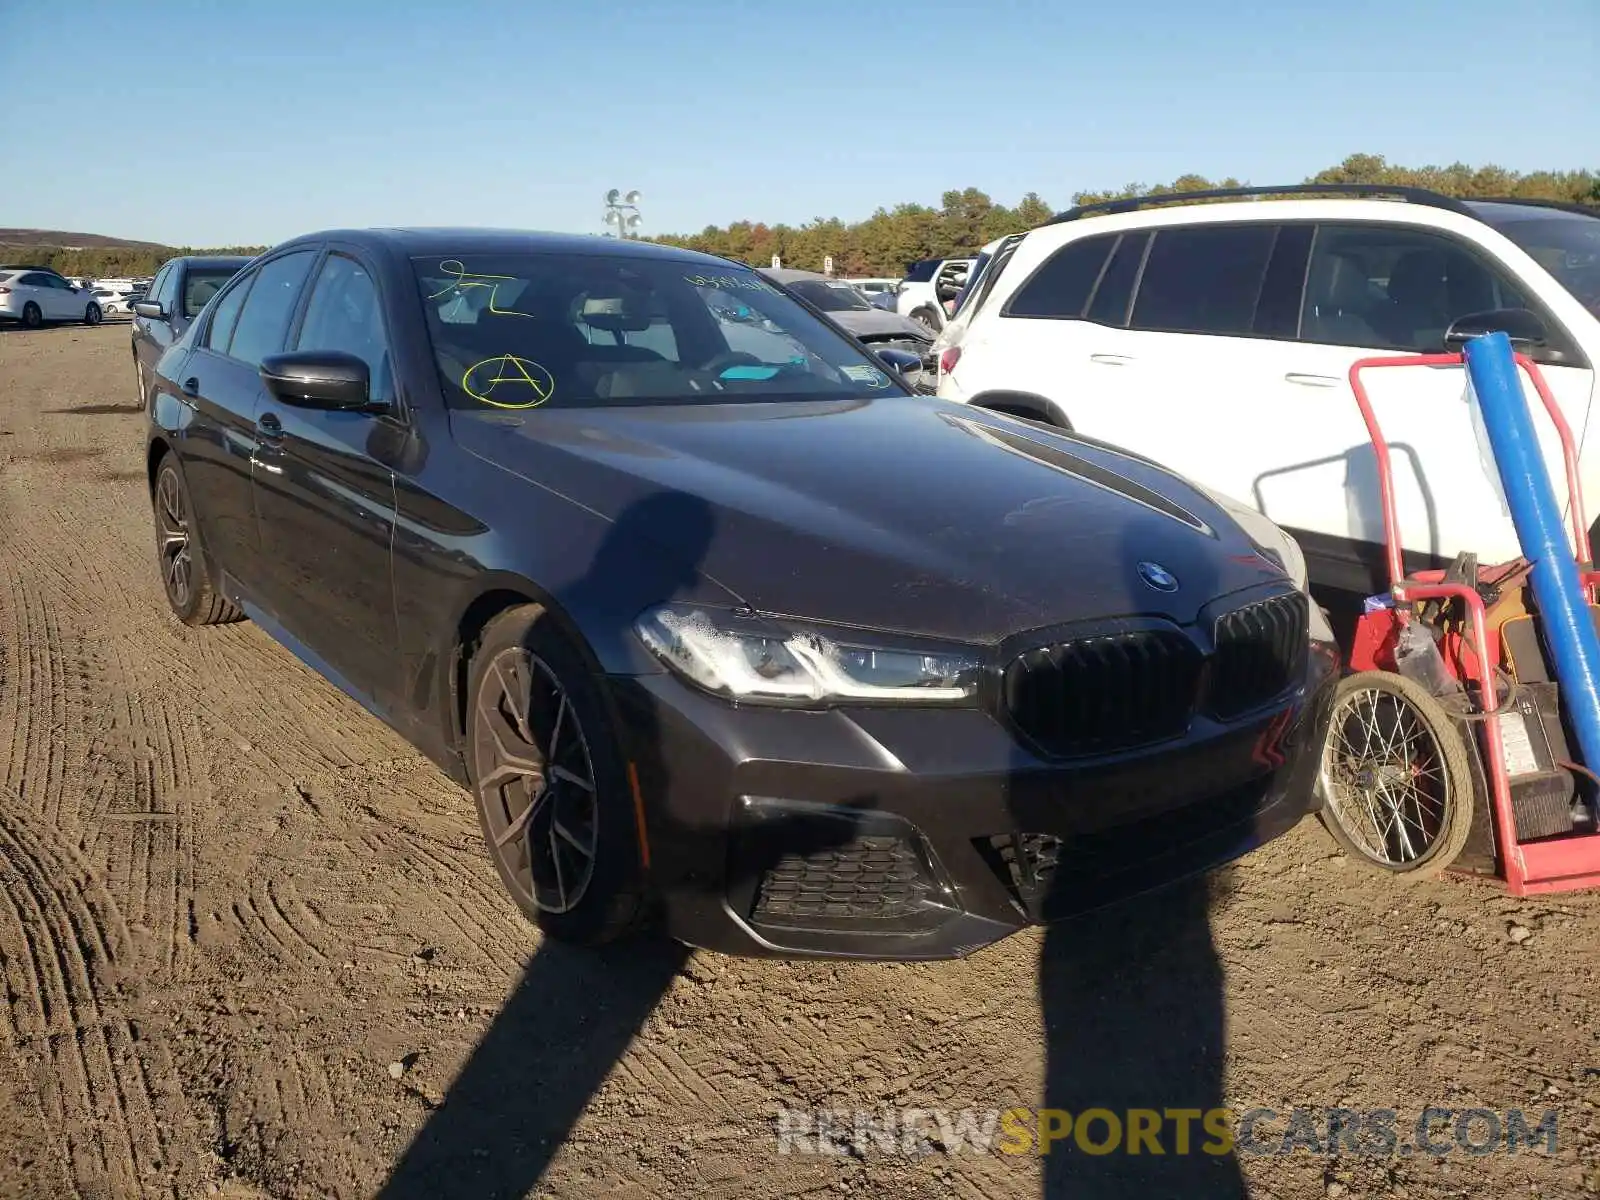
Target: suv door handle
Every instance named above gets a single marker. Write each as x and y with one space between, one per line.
191 386
270 428
1322 381
1110 360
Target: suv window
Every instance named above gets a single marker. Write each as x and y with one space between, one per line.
35 279
264 322
1390 287
1114 292
922 272
344 314
1204 279
227 314
1061 286
200 284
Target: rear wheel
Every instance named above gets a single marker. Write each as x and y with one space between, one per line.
1396 779
32 316
92 314
550 783
928 319
185 572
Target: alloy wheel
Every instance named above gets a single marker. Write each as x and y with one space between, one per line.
536 780
172 535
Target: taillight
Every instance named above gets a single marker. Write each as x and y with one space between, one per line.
5 291
948 358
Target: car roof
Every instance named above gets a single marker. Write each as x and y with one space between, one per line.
421 242
213 260
792 275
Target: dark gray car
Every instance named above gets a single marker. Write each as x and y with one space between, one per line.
852 311
174 299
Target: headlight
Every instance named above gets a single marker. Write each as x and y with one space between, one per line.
751 660
1272 541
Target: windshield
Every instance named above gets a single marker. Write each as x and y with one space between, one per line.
200 285
1566 246
829 296
589 330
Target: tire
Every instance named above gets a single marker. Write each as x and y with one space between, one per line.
928 319
32 316
180 556
526 687
92 315
1438 815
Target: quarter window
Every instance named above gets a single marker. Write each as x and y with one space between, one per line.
1390 287
264 322
1204 279
344 314
1061 287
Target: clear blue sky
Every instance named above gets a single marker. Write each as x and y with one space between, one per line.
235 121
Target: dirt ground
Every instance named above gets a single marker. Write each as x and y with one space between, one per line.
250 946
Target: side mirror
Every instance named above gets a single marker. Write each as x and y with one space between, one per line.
324 379
902 362
1523 328
150 309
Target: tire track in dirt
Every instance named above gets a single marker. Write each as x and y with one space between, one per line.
84 1051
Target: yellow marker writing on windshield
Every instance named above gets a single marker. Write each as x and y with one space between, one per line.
508 382
469 279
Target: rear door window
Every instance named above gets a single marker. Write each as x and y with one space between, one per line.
1204 279
264 321
227 314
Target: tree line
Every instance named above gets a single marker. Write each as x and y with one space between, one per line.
108 262
966 219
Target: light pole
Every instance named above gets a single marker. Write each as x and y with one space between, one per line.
623 212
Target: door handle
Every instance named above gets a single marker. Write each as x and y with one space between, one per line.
1110 360
1322 381
191 386
269 428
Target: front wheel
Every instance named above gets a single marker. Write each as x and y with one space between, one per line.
550 783
1396 779
92 314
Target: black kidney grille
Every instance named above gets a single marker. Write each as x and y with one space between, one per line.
1099 694
1261 650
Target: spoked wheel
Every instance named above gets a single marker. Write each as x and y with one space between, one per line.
550 784
181 557
92 314
1396 780
32 316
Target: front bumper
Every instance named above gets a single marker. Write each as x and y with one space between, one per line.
893 833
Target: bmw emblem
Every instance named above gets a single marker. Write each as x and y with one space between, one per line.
1158 577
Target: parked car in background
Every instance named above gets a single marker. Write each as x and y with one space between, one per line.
179 290
986 268
929 287
114 303
35 296
692 624
1217 339
875 287
849 309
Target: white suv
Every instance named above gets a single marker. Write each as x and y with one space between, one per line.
1216 340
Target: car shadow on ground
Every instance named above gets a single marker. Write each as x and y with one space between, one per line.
1131 998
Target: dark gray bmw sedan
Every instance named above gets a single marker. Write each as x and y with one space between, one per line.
721 626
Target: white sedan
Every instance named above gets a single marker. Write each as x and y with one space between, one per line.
34 295
114 302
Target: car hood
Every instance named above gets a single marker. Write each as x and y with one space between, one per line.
877 324
901 513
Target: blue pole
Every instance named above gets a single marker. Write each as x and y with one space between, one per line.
1536 513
